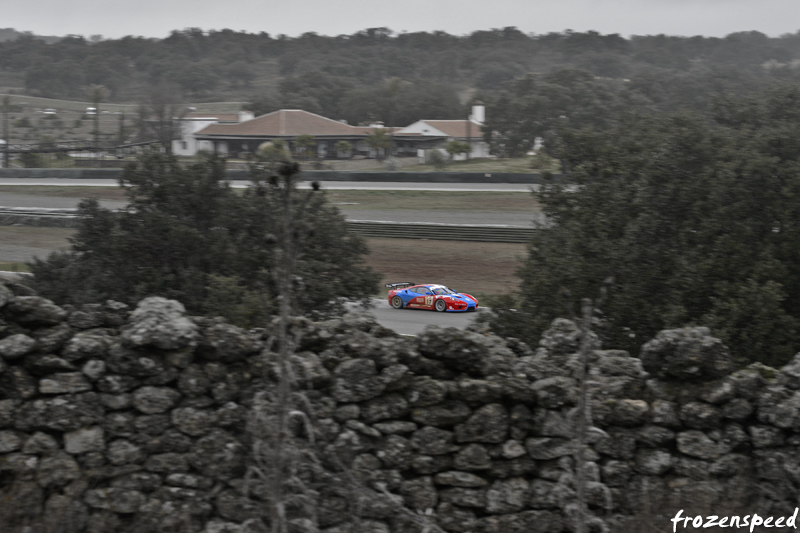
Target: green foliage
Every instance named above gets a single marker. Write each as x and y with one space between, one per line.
457 147
436 158
694 220
344 147
272 153
544 163
380 141
328 71
399 103
187 235
304 145
539 106
262 104
31 160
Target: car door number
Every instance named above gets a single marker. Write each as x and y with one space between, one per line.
429 300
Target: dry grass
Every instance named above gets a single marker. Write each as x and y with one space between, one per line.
56 191
435 200
10 266
45 238
472 267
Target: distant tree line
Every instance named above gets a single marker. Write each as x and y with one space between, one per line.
377 74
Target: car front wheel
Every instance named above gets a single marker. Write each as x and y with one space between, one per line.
397 302
440 306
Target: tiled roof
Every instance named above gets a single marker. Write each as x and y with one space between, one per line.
457 128
285 122
294 122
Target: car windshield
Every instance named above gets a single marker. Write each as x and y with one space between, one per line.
442 290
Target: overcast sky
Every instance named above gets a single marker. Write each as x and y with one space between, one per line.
156 18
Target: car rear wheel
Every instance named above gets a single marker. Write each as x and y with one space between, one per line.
397 302
440 306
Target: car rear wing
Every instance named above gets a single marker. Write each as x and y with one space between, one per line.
400 285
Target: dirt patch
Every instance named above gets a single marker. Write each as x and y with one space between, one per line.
473 267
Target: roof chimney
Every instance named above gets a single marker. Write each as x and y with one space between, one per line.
478 113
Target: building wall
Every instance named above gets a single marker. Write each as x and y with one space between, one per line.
187 145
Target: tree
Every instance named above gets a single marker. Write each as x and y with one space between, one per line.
457 147
326 90
436 158
241 73
694 220
379 140
262 104
187 236
539 106
160 117
271 153
344 147
304 145
195 78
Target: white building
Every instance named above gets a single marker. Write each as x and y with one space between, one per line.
468 131
188 145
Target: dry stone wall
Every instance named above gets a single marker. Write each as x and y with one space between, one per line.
114 419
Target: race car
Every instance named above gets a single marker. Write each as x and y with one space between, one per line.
406 294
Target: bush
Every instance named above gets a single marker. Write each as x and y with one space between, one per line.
436 158
693 219
188 236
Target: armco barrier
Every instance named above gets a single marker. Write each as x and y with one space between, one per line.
39 217
445 232
67 218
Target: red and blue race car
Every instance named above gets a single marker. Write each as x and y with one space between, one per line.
434 297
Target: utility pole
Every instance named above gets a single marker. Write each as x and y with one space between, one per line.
6 109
